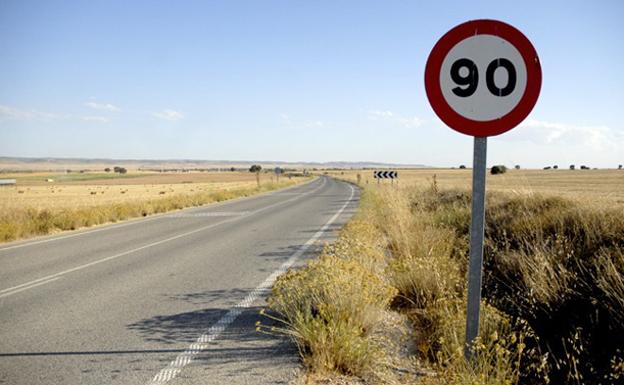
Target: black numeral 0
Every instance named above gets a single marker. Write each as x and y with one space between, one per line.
511 79
472 79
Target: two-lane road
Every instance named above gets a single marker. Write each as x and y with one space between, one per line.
166 299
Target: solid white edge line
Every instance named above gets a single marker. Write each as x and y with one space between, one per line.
12 290
202 342
133 221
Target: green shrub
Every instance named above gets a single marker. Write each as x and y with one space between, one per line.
498 169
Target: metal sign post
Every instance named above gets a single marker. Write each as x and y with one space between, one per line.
477 230
482 79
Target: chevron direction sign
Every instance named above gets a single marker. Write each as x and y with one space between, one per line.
385 174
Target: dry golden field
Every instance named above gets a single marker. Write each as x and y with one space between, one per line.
82 195
601 186
132 178
37 206
32 190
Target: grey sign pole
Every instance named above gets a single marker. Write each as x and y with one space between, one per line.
476 244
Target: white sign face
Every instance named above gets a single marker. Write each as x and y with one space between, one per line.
483 77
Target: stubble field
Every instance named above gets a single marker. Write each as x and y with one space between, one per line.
43 202
585 186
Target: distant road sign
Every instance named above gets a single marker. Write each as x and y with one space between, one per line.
385 174
483 78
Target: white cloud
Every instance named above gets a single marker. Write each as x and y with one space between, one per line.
13 113
168 114
411 122
32 115
314 124
395 119
594 137
102 106
97 119
305 124
380 114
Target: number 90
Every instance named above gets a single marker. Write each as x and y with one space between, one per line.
471 80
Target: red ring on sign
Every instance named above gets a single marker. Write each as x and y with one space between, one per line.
490 127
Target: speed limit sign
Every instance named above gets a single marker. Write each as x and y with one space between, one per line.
483 78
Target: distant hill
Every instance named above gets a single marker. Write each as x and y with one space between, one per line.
53 164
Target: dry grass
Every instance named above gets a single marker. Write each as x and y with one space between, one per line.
331 306
550 263
553 279
431 285
36 209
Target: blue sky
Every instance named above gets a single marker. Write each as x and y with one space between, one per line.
292 81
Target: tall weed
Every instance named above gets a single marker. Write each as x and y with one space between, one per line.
332 304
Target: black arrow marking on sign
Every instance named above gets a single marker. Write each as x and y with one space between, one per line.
385 174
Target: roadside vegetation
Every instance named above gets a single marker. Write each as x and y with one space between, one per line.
32 210
553 291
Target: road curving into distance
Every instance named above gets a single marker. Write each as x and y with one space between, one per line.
169 299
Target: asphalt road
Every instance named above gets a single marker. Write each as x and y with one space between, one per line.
166 299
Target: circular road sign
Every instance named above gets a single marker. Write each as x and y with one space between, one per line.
483 78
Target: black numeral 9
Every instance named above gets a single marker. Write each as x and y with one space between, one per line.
471 80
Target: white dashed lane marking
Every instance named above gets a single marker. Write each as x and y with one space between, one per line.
203 342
